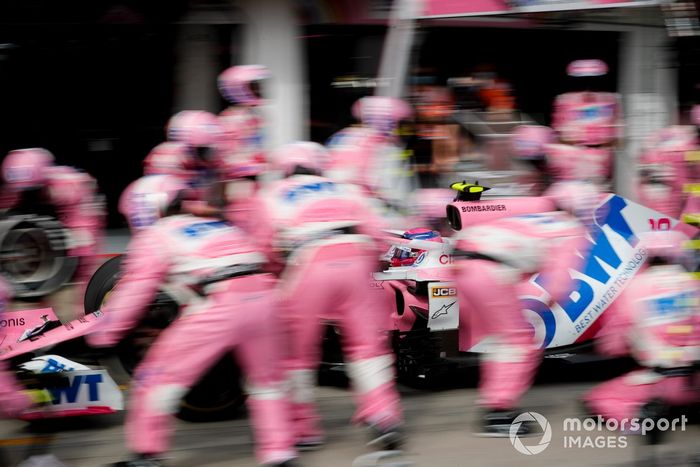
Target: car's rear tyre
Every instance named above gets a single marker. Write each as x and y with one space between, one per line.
34 255
217 396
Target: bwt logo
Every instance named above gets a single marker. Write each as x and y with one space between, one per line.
592 273
72 391
444 292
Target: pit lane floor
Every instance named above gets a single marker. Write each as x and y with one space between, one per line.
439 427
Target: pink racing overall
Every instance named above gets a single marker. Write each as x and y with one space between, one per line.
496 257
235 315
12 400
353 156
331 238
81 209
657 321
367 158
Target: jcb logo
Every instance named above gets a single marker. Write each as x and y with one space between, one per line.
444 291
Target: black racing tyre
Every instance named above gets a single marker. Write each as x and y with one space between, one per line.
101 283
34 255
332 369
217 396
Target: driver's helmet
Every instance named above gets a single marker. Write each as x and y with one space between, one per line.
529 141
24 169
241 84
382 114
404 255
147 199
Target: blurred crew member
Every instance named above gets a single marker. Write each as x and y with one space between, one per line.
369 155
493 260
34 185
656 321
587 122
218 267
587 116
200 135
664 170
243 143
330 238
533 145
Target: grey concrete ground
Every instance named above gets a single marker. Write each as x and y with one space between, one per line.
439 427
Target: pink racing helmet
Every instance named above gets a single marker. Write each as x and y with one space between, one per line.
381 113
195 128
528 141
23 169
169 158
147 199
304 154
241 84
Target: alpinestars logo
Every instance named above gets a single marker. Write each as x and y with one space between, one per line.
544 426
443 310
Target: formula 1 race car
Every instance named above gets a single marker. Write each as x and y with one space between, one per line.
426 319
424 322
